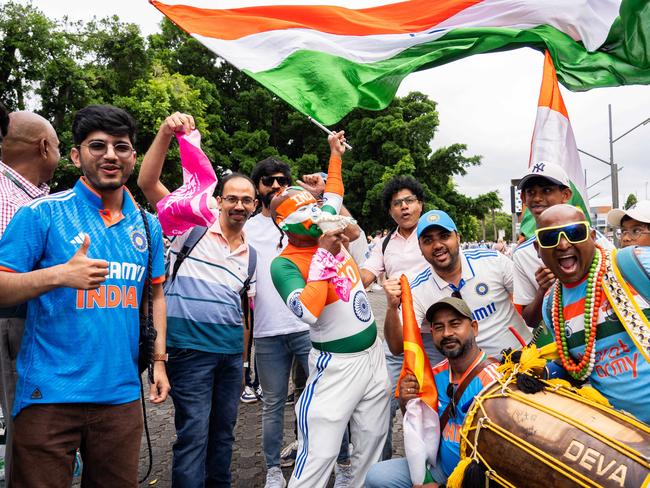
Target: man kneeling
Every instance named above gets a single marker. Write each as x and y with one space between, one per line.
462 375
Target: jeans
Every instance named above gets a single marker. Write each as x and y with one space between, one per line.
394 473
394 365
205 390
274 356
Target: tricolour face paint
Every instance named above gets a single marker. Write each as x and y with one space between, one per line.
297 213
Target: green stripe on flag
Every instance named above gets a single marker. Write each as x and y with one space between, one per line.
327 87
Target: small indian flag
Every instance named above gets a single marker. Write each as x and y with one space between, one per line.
553 141
326 60
421 422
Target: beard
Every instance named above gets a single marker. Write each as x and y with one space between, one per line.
266 198
458 351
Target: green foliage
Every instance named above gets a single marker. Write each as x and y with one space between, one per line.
631 200
62 66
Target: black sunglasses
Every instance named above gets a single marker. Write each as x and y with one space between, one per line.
268 180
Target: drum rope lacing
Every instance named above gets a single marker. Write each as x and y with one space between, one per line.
502 390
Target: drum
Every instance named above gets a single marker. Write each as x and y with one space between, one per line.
554 438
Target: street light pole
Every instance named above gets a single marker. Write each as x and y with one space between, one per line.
612 165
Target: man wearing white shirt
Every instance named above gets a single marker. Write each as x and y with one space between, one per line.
544 185
481 277
403 198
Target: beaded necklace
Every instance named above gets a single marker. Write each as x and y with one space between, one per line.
593 300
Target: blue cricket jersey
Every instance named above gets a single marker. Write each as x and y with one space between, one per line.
81 346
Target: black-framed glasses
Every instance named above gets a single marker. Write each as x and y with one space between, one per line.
407 200
575 233
233 200
268 180
632 234
99 148
451 393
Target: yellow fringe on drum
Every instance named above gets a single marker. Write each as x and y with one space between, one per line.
594 395
455 479
559 382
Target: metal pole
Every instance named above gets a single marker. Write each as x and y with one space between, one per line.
612 165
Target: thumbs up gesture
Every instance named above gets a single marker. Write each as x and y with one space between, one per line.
83 273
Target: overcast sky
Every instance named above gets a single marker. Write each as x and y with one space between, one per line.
488 102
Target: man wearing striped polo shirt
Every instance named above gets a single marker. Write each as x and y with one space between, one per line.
481 277
206 336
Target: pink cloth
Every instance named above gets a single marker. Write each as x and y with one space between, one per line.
324 266
15 191
187 206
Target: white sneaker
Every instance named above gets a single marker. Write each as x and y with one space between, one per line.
248 395
288 455
342 475
275 478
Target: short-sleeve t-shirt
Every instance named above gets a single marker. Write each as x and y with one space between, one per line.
449 452
486 287
620 372
81 346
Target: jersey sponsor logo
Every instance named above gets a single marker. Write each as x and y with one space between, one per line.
482 289
482 313
361 306
139 240
36 394
294 304
108 296
125 271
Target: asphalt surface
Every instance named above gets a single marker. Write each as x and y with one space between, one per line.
248 467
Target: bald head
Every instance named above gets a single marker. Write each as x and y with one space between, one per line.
559 215
31 146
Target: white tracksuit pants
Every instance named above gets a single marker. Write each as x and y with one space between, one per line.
341 388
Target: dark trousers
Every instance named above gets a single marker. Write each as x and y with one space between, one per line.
47 436
205 390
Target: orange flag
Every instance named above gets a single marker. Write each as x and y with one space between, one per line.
416 361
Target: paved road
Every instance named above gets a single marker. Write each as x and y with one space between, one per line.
248 466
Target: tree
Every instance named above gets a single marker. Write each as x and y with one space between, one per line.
631 200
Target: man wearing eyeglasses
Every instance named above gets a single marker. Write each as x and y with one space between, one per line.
544 185
206 334
481 277
80 259
30 154
459 378
592 308
398 253
633 224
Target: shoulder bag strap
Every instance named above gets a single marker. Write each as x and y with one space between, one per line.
195 236
444 418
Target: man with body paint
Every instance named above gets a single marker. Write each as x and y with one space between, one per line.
320 283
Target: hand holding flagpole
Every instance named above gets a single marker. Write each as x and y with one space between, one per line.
325 129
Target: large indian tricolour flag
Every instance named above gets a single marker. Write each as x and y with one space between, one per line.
553 141
326 60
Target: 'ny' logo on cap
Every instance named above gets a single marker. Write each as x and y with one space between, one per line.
539 167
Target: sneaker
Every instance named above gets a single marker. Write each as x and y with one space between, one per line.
342 475
288 455
248 395
290 399
259 393
275 478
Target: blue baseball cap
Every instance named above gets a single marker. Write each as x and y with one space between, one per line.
435 217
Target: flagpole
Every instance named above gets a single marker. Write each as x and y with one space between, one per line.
325 129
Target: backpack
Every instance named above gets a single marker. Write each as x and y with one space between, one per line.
195 236
384 243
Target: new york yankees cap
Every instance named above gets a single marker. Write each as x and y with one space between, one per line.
544 169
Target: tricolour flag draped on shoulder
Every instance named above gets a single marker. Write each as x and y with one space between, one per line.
553 141
421 422
189 205
326 60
